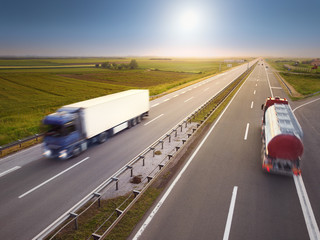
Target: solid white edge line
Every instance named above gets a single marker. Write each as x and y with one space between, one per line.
230 214
153 119
9 171
50 179
19 152
246 133
157 207
309 218
269 83
305 104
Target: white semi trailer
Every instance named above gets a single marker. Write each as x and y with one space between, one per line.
74 127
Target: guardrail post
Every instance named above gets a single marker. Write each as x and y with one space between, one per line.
96 236
189 135
75 216
19 143
180 126
142 159
169 135
119 212
117 183
161 141
175 130
186 122
160 166
170 156
136 193
149 178
177 148
183 141
98 195
194 129
152 149
131 168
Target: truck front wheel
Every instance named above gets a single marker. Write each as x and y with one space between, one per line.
76 151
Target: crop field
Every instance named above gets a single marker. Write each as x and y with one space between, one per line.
28 94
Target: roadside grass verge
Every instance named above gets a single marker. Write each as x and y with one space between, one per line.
301 84
305 84
95 216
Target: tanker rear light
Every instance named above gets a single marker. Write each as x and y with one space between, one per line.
296 171
268 167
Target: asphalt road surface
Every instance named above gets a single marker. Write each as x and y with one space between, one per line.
35 191
222 193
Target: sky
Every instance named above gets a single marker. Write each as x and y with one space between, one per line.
164 28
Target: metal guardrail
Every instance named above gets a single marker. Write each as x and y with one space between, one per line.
96 193
19 142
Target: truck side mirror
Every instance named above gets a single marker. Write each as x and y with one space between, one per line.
262 106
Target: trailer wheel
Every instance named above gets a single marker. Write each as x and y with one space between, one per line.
102 137
138 119
133 122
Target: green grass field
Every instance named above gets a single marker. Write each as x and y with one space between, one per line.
304 83
28 94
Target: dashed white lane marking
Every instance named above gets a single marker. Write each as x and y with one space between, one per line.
9 171
254 92
188 99
155 105
176 95
230 214
246 133
166 100
252 104
153 119
40 185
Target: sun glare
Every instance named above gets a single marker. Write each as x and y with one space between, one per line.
188 20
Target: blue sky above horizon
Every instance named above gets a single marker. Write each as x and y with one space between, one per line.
182 28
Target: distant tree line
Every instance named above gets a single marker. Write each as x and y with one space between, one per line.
119 66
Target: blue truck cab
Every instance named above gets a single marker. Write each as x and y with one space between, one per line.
63 133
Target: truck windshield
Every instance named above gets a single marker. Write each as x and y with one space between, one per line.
59 130
53 130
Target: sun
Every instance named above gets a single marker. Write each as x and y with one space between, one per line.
188 20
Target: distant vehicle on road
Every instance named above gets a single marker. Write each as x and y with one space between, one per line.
281 136
74 127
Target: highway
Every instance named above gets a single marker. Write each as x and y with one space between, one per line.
222 193
35 191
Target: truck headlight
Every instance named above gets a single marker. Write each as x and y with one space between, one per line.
47 153
63 154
